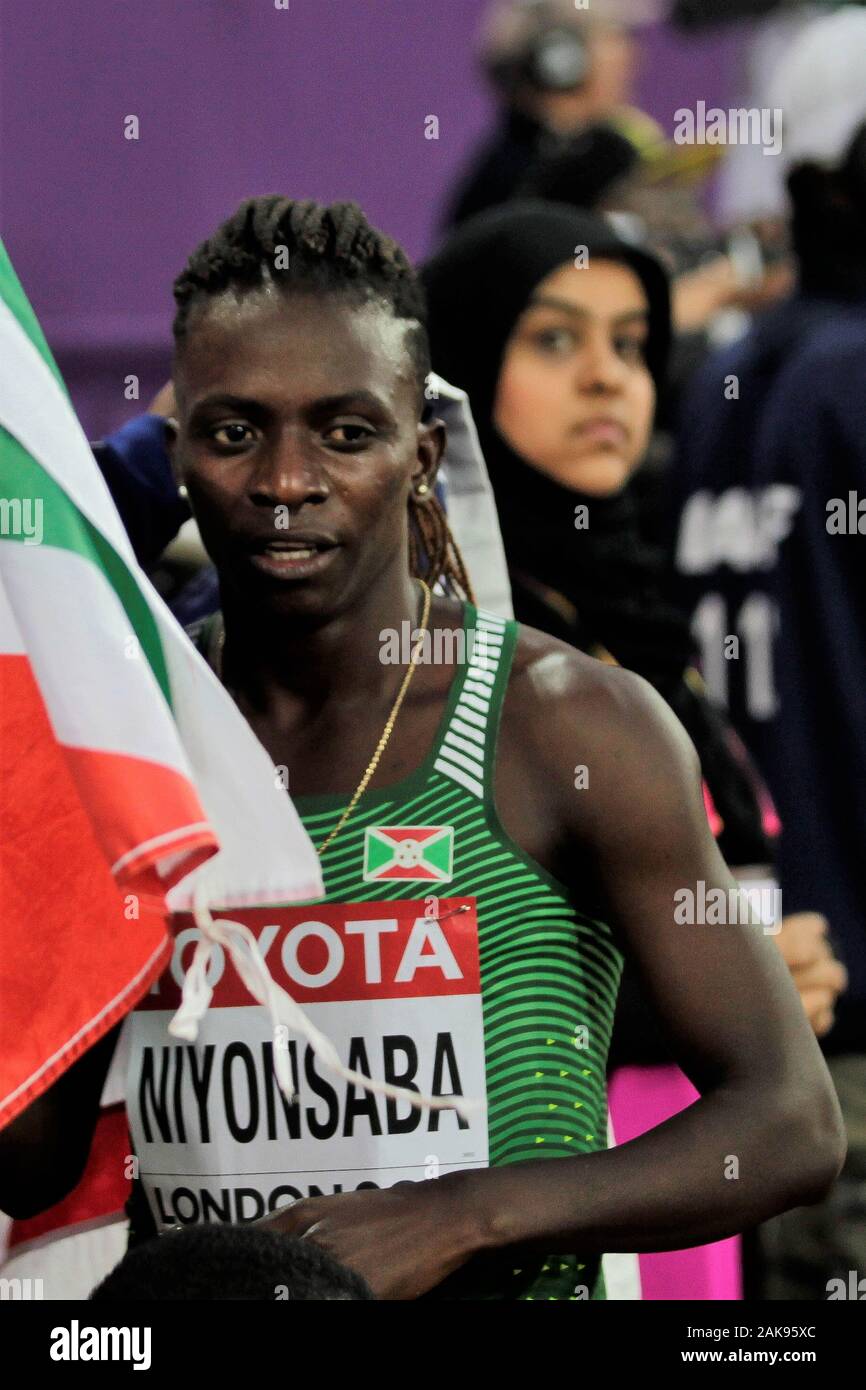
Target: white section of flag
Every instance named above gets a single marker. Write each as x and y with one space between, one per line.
101 688
265 855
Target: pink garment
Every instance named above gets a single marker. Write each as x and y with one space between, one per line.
641 1098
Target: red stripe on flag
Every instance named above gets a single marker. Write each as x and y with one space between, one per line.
101 1194
74 958
399 833
148 793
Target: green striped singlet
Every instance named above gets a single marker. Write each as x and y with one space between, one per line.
549 974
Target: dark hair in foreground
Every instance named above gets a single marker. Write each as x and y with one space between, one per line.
310 248
230 1262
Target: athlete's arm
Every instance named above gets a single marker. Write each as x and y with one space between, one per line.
767 1133
43 1152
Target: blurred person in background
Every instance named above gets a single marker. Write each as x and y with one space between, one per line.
728 530
813 441
557 71
524 306
750 189
560 332
771 570
568 131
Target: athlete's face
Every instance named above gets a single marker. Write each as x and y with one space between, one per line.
299 441
575 397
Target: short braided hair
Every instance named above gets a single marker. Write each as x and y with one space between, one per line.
329 249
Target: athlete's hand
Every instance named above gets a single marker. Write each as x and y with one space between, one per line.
403 1239
816 972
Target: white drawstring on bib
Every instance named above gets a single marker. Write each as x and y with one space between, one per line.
243 949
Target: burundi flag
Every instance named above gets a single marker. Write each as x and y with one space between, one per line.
413 853
124 764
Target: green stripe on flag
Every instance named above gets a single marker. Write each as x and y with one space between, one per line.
66 528
378 854
13 294
438 854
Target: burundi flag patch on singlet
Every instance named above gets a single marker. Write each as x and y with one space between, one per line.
411 853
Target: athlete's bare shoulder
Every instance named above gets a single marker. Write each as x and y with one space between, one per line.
551 681
568 711
546 672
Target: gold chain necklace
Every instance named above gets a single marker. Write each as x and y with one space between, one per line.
389 724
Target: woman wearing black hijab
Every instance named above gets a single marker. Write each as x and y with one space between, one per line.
563 372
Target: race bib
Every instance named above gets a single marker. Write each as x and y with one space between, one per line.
396 991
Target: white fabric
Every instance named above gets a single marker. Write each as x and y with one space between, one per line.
471 509
108 715
67 1267
752 184
820 84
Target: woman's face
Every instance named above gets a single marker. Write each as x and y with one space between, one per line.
575 397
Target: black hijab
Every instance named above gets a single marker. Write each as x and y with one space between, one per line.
478 286
606 583
481 280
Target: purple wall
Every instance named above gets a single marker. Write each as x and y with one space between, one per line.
234 97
